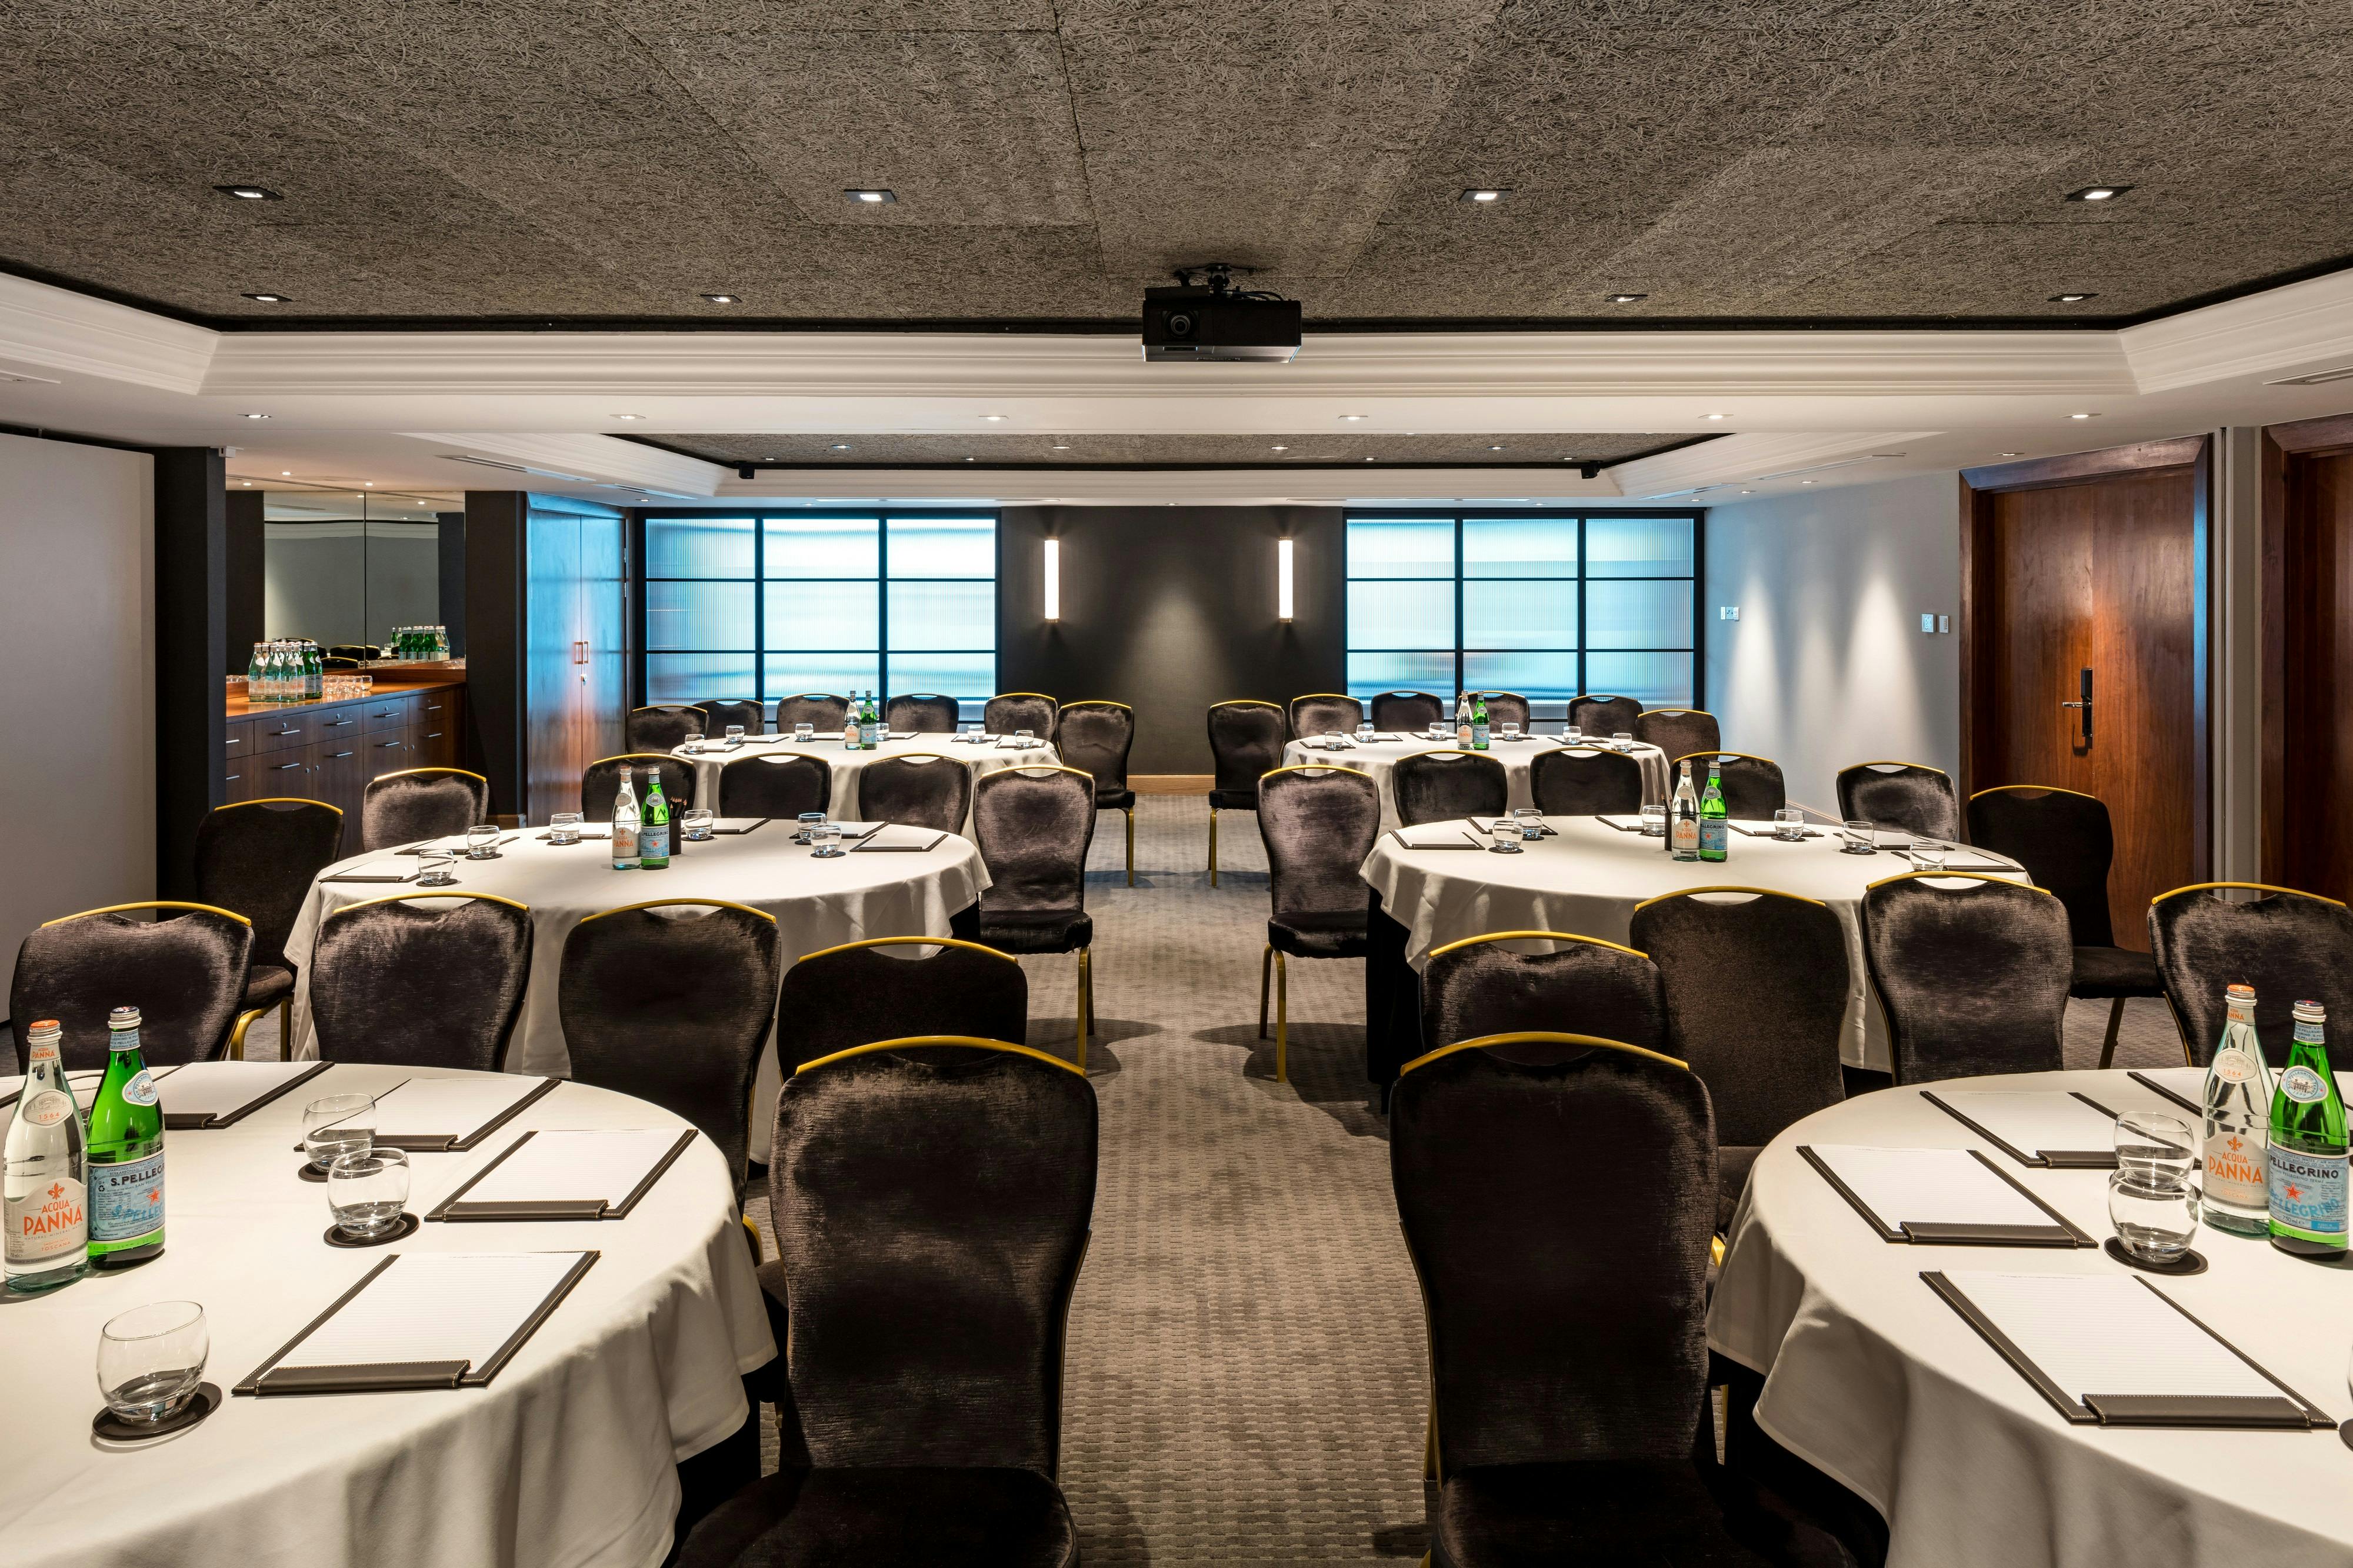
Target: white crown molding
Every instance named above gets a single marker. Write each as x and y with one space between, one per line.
596 458
2299 326
1740 457
1192 487
61 329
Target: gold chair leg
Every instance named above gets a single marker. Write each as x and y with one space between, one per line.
1131 846
1086 1002
286 1027
1265 973
1430 1447
752 1237
1281 1020
236 1052
1213 846
2116 1022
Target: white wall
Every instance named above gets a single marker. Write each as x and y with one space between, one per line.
77 633
1827 665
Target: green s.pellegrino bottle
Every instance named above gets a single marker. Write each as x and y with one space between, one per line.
2309 1148
126 1154
1715 823
653 827
1480 734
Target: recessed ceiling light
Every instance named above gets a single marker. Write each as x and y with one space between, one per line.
257 416
267 298
1368 459
1495 448
629 417
1623 298
247 483
838 447
1062 446
2005 454
2071 298
1354 418
1711 415
1283 448
724 299
968 459
369 484
2083 417
1486 195
249 192
996 419
285 473
1748 492
2097 193
873 197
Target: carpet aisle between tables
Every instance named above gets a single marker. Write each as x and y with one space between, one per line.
1246 1378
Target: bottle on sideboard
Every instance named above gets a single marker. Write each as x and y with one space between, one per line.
126 1154
1715 823
2234 1127
47 1181
2308 1153
653 828
1682 819
625 826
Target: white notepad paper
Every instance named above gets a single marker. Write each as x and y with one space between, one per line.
606 1165
899 836
377 872
2036 1123
2108 1334
436 1307
453 1107
223 1089
1928 1186
1438 836
2189 1083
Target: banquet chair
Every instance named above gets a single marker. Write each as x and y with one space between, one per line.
921 789
659 729
923 713
1009 712
1325 713
392 982
186 971
1033 826
1409 712
934 1196
1971 974
1564 1300
780 785
719 712
1756 987
1318 825
332 664
1445 786
1752 790
1245 740
1480 987
1913 797
2067 843
1577 781
2290 946
821 710
1679 731
417 803
1096 737
1604 716
1507 708
356 651
257 857
600 784
671 1000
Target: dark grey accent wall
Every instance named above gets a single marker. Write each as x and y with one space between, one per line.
453 580
245 546
1169 609
496 569
191 629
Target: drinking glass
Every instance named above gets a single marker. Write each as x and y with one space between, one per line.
804 732
1510 732
433 868
1621 739
1654 819
1926 856
483 841
1529 820
697 823
809 822
564 828
1364 734
1789 822
1025 739
1858 840
735 734
150 1359
1574 735
368 1191
693 743
827 836
2154 1214
338 1125
1507 836
2155 1144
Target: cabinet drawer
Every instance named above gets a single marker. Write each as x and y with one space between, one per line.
279 775
338 724
387 713
236 739
385 751
279 733
435 742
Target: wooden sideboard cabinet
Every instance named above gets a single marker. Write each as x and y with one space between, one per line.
329 750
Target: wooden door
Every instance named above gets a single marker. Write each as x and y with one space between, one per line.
555 744
2307 655
2095 570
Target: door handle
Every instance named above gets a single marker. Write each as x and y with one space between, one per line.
2083 706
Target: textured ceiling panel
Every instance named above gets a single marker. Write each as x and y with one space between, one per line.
1733 160
1166 451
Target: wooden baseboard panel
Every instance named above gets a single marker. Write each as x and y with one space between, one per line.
1171 784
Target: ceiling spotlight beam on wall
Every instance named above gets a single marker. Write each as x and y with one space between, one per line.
1282 579
1053 579
249 192
1485 195
869 197
2097 193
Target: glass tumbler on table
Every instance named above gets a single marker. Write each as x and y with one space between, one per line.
804 732
1859 839
735 734
1510 732
2156 1142
433 868
2154 1214
368 1191
1573 735
564 828
1928 856
338 1125
482 842
1529 821
697 823
1654 819
1506 836
1790 823
1622 739
1364 734
151 1360
692 745
827 836
809 822
1025 739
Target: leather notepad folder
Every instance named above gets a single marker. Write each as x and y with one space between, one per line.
1940 1197
1435 838
434 1116
377 872
552 1175
894 837
204 1095
2055 1131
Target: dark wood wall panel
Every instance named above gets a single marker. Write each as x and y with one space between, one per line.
2308 841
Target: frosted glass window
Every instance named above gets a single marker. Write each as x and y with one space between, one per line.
821 547
698 616
1508 614
1401 614
1659 679
699 547
944 547
1638 614
692 676
834 675
823 616
970 676
1639 546
1375 672
1384 547
1519 547
1539 677
942 615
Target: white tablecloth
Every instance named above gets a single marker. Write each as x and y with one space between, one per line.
565 1458
846 765
1587 880
1878 1382
1381 756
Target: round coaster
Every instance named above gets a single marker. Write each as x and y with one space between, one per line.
1506 849
112 1428
2345 1433
1857 849
312 1173
406 1228
2187 1263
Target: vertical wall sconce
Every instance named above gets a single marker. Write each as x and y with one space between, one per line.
1282 579
1053 579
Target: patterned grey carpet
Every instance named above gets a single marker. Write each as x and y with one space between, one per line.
1245 1378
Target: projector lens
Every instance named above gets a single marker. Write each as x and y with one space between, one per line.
1180 325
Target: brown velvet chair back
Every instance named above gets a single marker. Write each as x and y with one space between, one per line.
1507 708
1095 737
1407 710
937 985
1910 795
2291 947
923 713
1679 731
1318 825
658 728
1491 986
1010 711
1751 786
821 711
1604 716
2065 841
919 789
718 712
1033 826
778 784
257 857
1245 740
1442 786
600 786
417 803
1325 713
421 980
184 970
1580 781
1972 975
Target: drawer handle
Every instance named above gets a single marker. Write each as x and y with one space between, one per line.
337 756
435 736
284 767
285 731
380 745
334 723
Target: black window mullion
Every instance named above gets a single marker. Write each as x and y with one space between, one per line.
760 611
882 605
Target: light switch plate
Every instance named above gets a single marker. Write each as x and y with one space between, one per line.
1728 611
1928 624
1944 624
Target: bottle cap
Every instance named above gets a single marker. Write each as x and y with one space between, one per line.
2311 1012
122 1018
2238 994
43 1029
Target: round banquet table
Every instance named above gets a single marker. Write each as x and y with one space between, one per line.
565 1458
816 903
1587 881
1873 1380
1380 757
846 765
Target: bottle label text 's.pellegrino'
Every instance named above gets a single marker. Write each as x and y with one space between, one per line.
2307 1194
126 1201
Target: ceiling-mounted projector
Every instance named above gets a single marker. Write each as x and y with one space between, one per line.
1216 323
